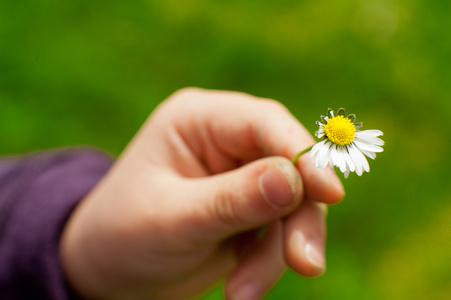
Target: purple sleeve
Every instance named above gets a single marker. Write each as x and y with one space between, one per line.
37 194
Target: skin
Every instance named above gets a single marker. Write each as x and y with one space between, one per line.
184 205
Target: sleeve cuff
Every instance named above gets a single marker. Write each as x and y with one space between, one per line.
37 195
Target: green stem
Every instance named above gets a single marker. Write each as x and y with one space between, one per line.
296 157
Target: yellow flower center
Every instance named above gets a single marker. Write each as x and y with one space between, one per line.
340 130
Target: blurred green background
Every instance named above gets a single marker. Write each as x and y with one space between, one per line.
90 72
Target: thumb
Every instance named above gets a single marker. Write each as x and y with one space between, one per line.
248 197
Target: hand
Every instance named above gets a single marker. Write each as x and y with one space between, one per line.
185 203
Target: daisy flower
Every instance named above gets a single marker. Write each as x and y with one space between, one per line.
343 144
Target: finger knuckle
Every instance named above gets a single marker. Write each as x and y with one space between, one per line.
185 93
225 209
274 105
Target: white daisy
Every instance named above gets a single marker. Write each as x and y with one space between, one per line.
343 145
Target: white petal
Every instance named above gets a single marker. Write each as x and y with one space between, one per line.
319 132
336 158
348 159
331 157
316 148
368 140
365 165
371 133
346 173
368 147
359 160
322 157
340 160
370 154
332 113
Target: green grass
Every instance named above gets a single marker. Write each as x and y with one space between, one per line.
90 72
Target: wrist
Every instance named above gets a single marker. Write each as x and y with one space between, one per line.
78 257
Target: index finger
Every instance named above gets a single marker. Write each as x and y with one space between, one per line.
237 126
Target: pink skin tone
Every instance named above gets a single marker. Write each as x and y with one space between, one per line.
183 206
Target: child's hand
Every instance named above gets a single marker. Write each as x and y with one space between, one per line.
184 204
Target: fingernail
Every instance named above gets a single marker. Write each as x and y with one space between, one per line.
314 255
249 291
275 186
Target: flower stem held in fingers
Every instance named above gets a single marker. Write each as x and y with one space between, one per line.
296 157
